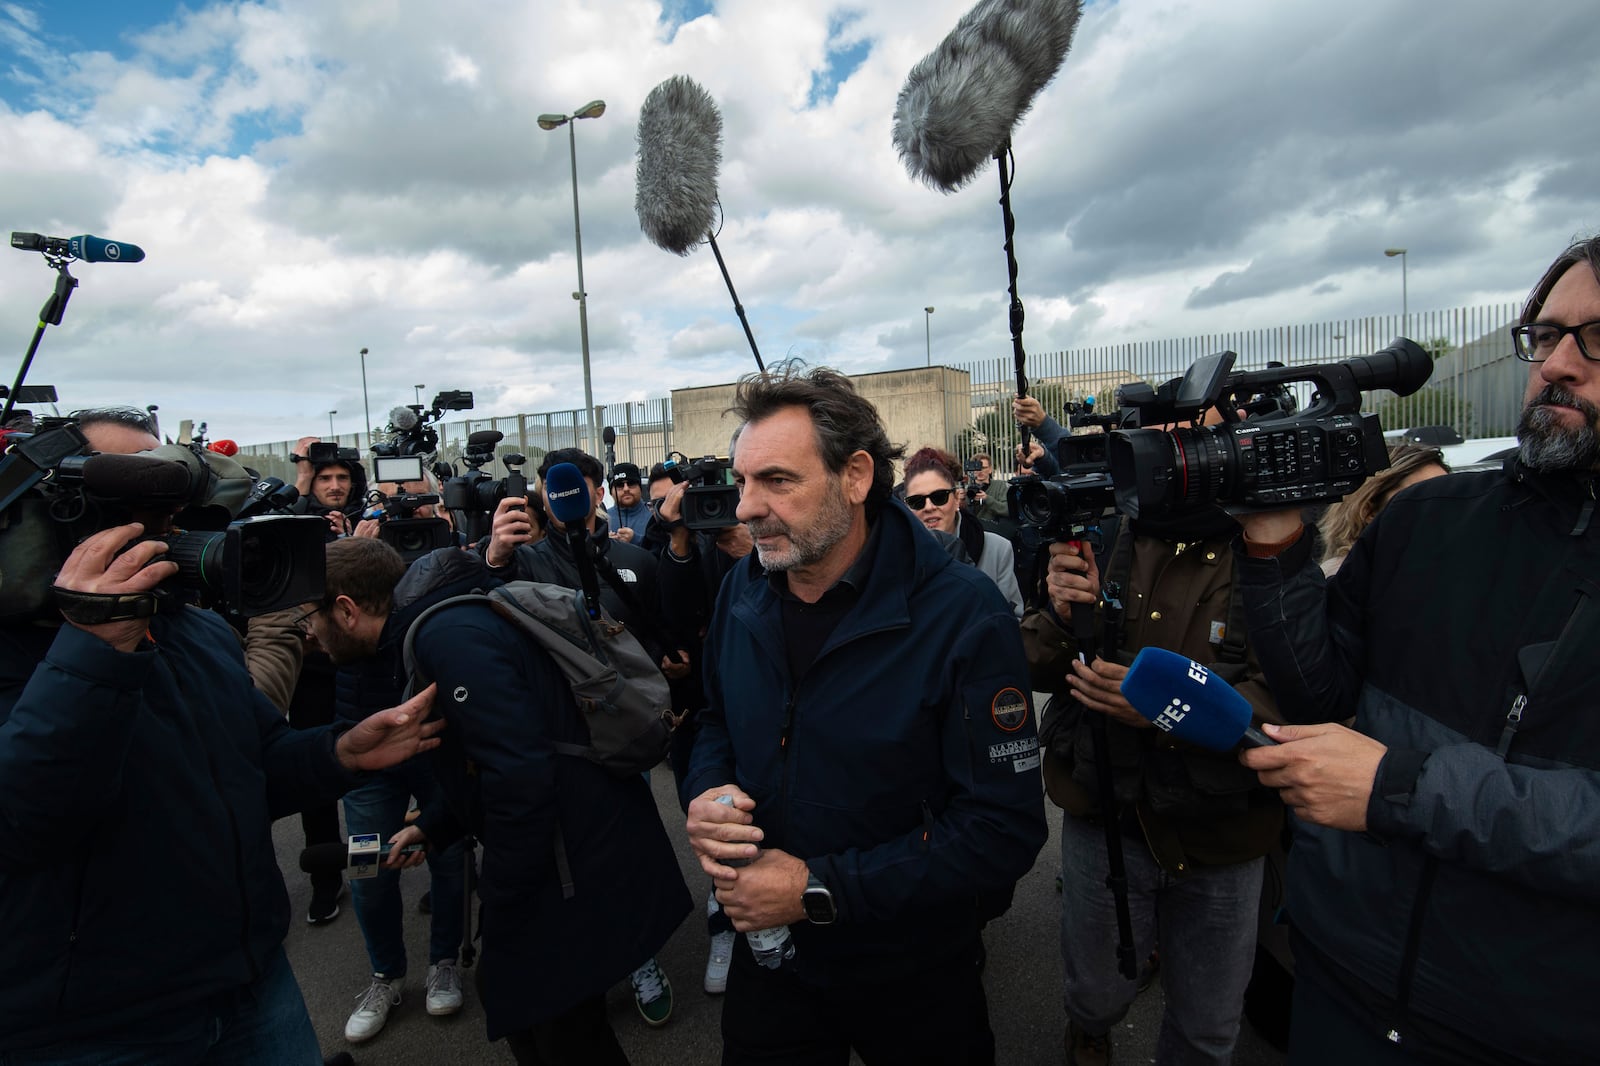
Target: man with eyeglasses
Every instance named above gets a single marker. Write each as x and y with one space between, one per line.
1443 877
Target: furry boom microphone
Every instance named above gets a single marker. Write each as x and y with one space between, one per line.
680 148
960 104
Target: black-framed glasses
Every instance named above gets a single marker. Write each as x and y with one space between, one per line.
302 621
1537 341
939 498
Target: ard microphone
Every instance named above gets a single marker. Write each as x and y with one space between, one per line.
89 249
680 148
569 500
961 102
1185 699
334 858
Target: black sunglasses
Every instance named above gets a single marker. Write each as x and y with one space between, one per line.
939 498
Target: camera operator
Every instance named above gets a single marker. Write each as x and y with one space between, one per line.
548 955
629 515
143 913
988 508
1442 880
1193 828
335 488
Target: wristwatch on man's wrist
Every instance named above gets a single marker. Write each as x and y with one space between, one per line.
818 901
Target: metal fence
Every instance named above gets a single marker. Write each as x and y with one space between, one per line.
1476 387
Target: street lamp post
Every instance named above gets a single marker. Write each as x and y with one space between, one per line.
593 109
927 335
1405 308
419 389
330 424
366 406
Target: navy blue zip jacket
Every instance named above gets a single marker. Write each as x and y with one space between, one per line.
910 781
1461 632
137 794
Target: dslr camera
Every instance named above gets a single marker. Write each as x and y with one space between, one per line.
471 498
1273 458
399 527
711 502
1068 505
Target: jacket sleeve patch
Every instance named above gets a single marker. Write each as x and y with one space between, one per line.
1009 709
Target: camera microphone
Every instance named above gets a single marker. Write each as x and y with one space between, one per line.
141 478
569 498
89 249
1182 697
961 102
403 418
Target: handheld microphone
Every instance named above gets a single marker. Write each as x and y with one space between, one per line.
680 148
89 249
362 855
1185 699
569 499
961 102
224 447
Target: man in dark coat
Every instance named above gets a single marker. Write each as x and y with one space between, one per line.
142 914
868 745
1443 881
548 958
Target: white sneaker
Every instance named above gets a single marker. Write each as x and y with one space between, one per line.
717 963
373 1010
444 988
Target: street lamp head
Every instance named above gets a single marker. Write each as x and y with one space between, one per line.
592 109
551 122
363 351
1392 252
929 310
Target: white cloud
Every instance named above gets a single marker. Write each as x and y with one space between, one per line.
312 178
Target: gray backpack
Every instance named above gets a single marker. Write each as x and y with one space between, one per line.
620 691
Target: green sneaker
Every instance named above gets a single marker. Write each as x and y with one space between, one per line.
652 994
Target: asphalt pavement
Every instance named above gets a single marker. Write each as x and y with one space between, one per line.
1023 978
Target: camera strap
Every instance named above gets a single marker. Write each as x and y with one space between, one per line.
97 608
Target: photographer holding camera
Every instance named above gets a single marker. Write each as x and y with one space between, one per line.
1193 828
1447 849
331 481
143 911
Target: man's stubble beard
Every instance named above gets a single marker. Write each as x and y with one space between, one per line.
810 546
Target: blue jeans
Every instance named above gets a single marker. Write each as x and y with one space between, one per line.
379 806
1207 923
261 1024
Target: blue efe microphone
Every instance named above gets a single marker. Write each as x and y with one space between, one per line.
1183 698
569 497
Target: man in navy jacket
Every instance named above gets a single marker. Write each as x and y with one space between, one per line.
142 914
869 746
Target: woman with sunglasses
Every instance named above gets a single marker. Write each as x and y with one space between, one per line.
933 479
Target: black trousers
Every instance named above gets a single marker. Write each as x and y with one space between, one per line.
929 1014
312 707
581 1037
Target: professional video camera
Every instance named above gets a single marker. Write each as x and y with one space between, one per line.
471 498
711 502
1264 461
1067 506
412 427
54 492
399 527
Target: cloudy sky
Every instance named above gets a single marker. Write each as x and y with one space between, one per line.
309 178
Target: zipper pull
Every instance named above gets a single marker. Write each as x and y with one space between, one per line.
1513 720
788 724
